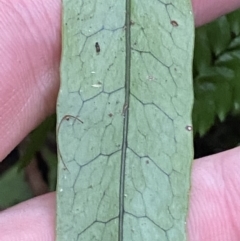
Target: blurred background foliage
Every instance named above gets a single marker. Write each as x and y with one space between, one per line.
216 72
31 168
216 75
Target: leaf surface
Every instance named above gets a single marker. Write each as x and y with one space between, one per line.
124 120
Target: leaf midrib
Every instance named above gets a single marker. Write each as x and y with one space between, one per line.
125 115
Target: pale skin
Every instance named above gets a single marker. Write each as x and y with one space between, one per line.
30 47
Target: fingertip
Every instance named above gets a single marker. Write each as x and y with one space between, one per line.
31 220
30 48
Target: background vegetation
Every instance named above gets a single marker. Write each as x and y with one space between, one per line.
216 74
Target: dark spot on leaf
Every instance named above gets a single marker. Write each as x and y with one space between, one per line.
97 46
174 23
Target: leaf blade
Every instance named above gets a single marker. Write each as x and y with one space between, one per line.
113 148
